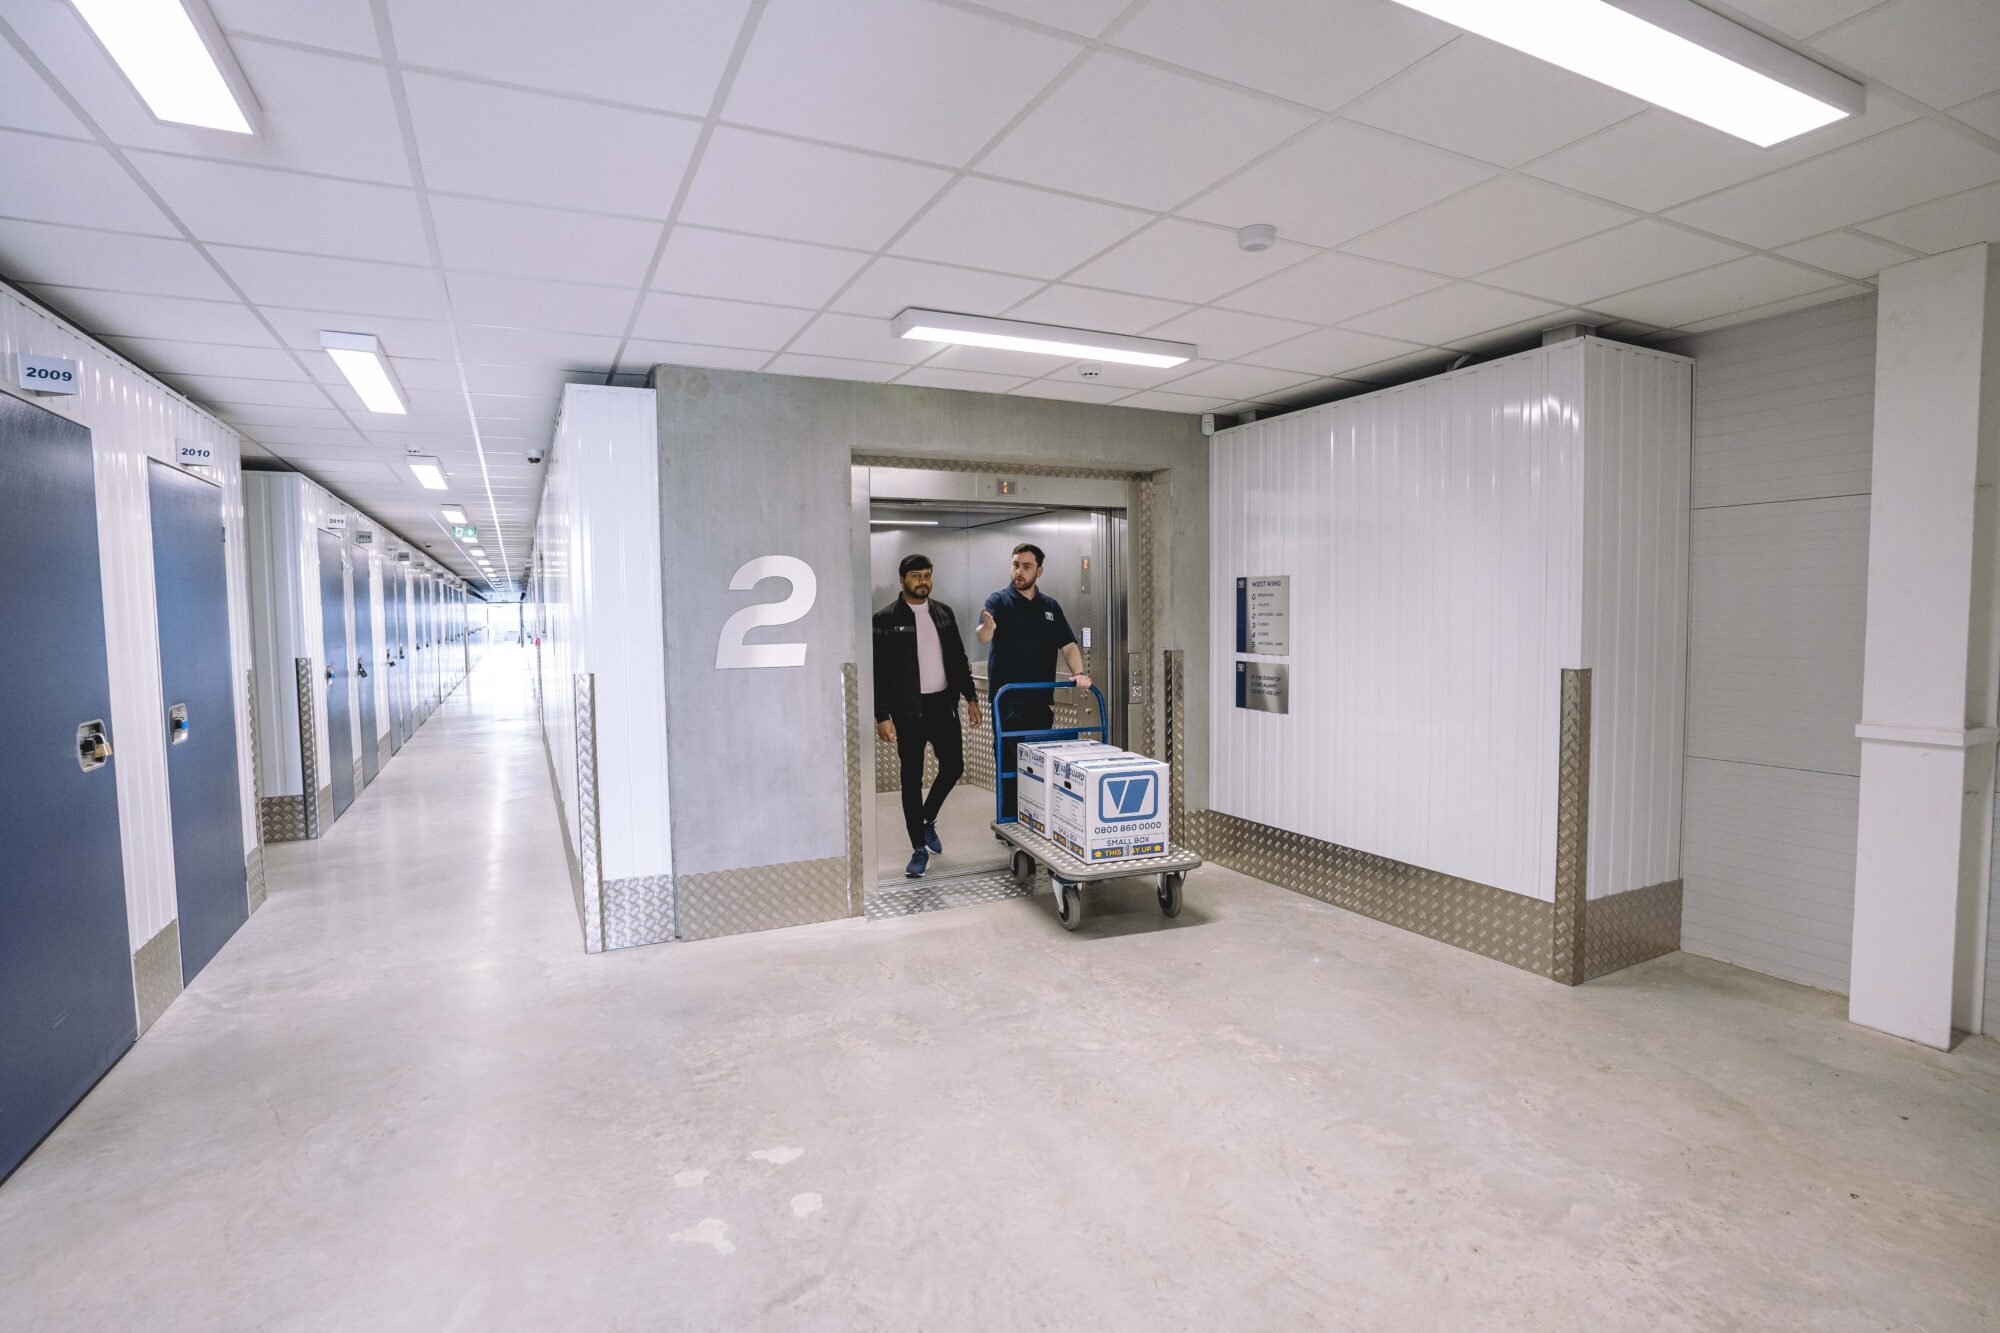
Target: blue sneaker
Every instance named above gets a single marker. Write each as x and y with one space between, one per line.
931 838
920 861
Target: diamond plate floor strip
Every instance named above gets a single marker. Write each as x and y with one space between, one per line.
965 891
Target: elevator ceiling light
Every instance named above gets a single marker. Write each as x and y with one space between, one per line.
1674 54
427 470
453 514
175 57
1013 335
359 357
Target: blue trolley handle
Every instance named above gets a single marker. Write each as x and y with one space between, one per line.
1000 738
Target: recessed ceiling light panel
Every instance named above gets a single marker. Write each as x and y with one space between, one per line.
1013 335
428 471
358 356
175 57
1674 54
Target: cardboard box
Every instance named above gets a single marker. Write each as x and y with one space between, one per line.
1108 808
1032 762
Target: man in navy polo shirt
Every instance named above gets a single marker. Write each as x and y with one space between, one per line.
1027 630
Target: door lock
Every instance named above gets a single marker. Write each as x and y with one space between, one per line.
93 747
329 673
177 724
360 668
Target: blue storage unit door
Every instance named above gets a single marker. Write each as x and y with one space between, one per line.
393 656
204 792
364 668
337 670
66 1006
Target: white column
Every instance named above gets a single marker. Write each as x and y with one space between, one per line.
1932 675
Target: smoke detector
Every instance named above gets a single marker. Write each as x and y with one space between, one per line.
1257 236
1090 370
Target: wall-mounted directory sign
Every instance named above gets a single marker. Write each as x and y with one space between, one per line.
1264 687
1264 615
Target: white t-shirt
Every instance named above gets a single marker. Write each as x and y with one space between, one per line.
930 654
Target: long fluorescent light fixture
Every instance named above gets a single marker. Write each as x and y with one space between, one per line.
1673 53
427 470
902 522
175 57
359 357
1013 335
453 514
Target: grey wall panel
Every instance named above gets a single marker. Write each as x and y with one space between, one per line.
1783 424
1768 868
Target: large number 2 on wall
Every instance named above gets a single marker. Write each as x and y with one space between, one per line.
730 650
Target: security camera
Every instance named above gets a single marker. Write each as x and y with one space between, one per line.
534 455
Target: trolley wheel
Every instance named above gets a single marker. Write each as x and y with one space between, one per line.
1069 905
1024 868
1170 892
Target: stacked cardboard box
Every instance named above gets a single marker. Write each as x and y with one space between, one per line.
1107 807
1032 762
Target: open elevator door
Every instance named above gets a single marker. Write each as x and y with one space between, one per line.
969 539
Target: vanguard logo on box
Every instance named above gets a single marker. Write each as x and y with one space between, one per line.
1124 797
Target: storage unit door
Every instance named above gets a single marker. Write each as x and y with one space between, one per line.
337 670
66 1005
392 655
190 585
364 670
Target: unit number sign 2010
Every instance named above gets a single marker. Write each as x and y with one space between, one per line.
47 374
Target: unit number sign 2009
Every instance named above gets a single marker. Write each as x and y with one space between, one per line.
47 374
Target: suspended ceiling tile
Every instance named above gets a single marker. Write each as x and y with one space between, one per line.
899 76
859 338
1776 308
1314 392
1656 160
503 346
1159 400
1946 224
1330 351
1982 115
414 373
73 256
1491 224
1226 335
521 241
80 184
1897 170
1723 290
1015 229
1184 261
996 361
131 315
834 368
695 319
266 393
1404 369
1802 18
1071 391
668 54
337 25
889 285
752 268
1337 182
1848 252
1139 377
241 205
1332 287
503 143
284 440
272 277
1459 311
1086 18
809 192
1236 381
1491 102
1941 52
1324 55
1637 253
252 414
940 377
537 303
428 340
645 353
28 103
1092 308
1137 134
174 357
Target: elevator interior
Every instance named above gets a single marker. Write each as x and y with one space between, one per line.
970 546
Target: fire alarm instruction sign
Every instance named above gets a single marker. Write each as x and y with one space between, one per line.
1264 615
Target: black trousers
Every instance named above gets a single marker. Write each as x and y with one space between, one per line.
1034 712
936 725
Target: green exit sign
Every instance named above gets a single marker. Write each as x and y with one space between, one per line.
464 532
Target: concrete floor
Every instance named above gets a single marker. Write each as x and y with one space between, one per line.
965 827
404 1098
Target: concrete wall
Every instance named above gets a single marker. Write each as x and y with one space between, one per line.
1783 431
758 754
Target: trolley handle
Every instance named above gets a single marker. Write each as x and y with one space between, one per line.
1000 738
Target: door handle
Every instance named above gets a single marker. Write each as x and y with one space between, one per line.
329 673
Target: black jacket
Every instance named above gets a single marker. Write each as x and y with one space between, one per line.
897 695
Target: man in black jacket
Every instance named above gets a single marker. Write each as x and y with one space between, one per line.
920 675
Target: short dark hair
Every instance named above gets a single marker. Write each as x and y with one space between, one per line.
912 562
1032 550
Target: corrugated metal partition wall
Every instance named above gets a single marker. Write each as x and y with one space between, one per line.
1454 545
134 418
1783 430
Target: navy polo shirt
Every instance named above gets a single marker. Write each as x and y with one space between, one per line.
1028 633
